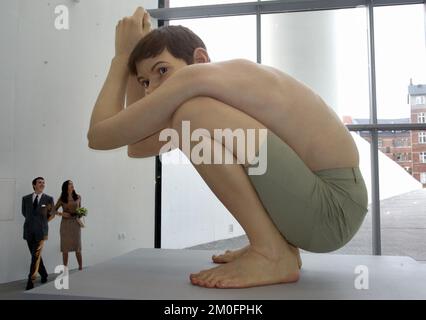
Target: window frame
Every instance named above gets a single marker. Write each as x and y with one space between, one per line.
422 137
422 157
419 100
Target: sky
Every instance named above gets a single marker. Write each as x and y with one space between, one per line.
400 52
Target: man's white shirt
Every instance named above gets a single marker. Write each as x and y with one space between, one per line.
39 196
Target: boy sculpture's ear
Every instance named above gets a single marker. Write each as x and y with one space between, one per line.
201 56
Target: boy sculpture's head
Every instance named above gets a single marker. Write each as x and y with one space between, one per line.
163 51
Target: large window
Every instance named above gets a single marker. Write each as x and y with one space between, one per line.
401 199
366 80
400 58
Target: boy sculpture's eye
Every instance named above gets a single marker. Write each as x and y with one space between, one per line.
161 71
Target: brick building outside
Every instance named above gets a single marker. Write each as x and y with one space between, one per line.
417 97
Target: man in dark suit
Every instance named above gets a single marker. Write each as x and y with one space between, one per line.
36 209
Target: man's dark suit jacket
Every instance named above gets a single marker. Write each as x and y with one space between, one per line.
36 221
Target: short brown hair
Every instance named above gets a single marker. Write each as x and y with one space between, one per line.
178 40
35 181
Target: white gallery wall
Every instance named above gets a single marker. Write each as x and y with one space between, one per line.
49 81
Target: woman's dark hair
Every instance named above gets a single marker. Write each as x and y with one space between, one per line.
64 193
178 40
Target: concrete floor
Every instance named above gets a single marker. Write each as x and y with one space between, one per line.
14 290
162 274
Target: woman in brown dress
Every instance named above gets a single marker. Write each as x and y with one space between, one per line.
71 225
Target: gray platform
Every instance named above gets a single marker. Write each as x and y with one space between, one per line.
159 274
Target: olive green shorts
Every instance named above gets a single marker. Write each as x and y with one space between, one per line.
316 211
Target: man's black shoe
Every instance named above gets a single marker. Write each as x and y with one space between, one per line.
43 279
30 285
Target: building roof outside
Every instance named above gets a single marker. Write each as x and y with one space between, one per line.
382 121
417 89
383 134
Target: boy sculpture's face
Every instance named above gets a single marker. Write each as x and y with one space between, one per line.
152 72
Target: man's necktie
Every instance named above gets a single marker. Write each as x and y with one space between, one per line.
35 203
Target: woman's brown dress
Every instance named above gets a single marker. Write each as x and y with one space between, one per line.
70 229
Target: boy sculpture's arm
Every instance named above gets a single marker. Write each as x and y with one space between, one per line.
134 92
112 126
235 83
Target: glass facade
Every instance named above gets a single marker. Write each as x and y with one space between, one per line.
329 50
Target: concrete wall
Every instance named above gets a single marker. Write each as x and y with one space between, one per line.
49 81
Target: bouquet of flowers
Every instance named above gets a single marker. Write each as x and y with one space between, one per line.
81 212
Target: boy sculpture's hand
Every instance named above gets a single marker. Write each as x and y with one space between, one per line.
130 30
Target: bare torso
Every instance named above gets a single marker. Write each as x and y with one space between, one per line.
290 109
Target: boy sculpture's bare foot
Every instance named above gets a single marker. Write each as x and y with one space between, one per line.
229 255
252 268
179 84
